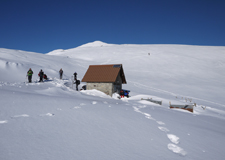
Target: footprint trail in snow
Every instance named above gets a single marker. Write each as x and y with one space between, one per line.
19 116
2 122
173 138
47 114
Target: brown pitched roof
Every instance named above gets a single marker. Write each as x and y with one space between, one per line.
104 73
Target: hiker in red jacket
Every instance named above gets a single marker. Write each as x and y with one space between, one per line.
122 94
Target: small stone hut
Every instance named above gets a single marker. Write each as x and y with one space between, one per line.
105 78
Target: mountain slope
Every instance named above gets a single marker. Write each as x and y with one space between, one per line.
51 120
170 68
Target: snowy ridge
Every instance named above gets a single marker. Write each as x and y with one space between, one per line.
53 119
88 45
96 44
56 52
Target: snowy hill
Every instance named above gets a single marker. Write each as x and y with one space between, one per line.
96 44
51 120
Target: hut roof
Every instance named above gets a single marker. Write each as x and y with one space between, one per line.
104 73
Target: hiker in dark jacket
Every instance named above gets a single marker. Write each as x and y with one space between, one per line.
41 74
60 73
75 76
77 83
29 74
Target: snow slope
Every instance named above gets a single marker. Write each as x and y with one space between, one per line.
51 120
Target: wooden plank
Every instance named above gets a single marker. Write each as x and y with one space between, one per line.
154 101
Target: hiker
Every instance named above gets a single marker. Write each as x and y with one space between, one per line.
60 73
41 74
77 83
126 94
75 76
29 74
122 94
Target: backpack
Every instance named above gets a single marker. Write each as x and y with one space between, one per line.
78 82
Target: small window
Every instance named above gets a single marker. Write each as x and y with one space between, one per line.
117 66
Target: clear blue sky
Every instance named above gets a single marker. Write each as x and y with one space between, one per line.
45 25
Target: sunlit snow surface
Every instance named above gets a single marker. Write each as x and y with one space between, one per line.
51 120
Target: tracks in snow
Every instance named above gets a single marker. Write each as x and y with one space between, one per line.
173 146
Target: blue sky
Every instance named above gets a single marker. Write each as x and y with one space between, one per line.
45 25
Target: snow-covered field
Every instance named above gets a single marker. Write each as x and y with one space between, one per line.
52 121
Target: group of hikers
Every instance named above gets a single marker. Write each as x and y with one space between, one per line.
44 76
40 74
124 93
